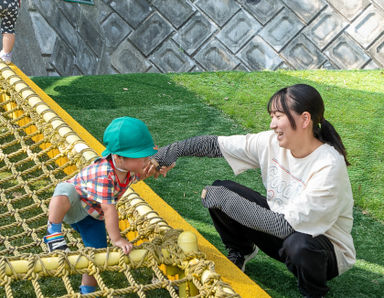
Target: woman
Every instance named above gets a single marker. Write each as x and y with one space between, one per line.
305 220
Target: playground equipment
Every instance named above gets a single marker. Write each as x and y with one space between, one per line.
38 149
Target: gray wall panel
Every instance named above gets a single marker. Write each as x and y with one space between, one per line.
55 37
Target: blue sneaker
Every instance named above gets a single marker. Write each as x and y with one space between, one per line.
56 241
87 289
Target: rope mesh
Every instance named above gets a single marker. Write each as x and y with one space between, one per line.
38 150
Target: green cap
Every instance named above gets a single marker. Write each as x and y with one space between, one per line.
128 137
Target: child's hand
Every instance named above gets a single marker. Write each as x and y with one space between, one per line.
153 169
124 244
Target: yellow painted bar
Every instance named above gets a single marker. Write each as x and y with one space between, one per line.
229 273
80 262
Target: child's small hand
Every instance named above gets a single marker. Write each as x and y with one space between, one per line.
153 169
149 170
124 244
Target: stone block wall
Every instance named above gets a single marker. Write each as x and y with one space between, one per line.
55 37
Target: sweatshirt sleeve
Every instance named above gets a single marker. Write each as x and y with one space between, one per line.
242 152
200 146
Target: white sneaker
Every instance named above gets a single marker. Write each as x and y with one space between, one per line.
6 57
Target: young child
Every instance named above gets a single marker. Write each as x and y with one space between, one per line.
8 13
87 201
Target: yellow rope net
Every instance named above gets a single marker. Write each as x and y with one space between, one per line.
38 150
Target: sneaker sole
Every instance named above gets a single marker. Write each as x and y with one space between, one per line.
249 257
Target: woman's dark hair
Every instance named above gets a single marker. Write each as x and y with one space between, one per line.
304 98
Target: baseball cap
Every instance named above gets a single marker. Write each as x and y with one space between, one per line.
128 137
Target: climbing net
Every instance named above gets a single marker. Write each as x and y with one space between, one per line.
38 150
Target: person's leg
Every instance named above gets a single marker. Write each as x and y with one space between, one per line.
88 284
237 237
58 207
241 238
65 206
93 234
8 42
243 191
312 260
8 30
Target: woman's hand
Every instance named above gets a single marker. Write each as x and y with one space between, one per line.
164 170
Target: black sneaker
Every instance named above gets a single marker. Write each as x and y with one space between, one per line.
239 259
56 241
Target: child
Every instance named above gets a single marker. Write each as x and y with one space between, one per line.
87 201
8 12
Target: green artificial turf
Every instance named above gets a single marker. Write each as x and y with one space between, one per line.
177 106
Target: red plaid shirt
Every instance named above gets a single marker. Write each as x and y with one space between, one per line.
98 184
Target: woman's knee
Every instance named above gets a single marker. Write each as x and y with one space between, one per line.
221 183
296 248
229 184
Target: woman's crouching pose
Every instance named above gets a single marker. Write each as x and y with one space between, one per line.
305 220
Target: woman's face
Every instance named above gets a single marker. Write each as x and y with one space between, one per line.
287 136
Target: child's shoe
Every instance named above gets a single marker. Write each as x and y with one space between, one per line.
87 289
56 241
6 57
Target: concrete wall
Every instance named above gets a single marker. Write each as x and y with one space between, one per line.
55 37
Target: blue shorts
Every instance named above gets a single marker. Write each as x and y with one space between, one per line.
92 230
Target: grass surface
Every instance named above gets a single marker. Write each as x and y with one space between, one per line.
177 106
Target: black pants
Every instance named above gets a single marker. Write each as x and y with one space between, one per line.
311 259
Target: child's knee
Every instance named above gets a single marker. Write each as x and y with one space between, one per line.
61 198
60 201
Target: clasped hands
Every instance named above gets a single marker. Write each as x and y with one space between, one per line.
211 196
154 169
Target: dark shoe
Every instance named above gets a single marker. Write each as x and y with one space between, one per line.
239 259
56 241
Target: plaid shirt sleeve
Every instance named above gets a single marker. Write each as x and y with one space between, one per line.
101 190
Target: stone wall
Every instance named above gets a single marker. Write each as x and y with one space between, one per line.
55 37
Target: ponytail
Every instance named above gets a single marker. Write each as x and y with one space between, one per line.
326 133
